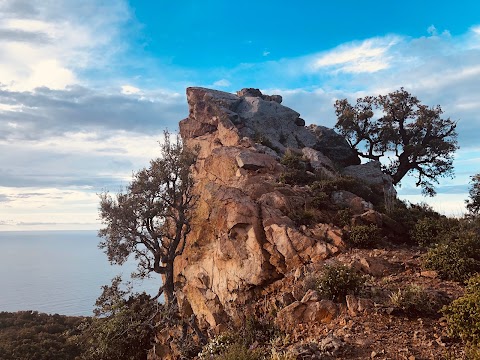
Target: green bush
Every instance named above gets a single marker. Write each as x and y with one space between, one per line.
456 259
337 281
409 214
413 299
303 216
364 236
463 314
430 230
239 351
295 170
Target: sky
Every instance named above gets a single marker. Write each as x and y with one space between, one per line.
87 87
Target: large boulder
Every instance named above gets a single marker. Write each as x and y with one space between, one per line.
244 234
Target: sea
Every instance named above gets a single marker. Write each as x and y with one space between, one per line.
58 272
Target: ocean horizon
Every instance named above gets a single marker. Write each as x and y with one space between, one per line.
57 272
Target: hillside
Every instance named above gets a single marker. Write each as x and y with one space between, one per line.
298 246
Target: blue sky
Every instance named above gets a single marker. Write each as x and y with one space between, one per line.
86 87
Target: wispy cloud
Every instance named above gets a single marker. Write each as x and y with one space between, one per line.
366 57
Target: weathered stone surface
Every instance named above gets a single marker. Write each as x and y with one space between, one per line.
346 199
311 309
333 145
371 173
251 160
244 236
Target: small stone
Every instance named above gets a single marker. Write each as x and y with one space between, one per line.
432 274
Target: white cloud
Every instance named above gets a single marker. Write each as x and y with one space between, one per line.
48 46
129 89
222 83
367 57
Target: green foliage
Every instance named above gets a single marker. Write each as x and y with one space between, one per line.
152 218
364 236
295 170
239 351
33 335
457 258
473 204
463 314
414 300
343 217
337 281
303 216
408 214
123 327
423 142
431 230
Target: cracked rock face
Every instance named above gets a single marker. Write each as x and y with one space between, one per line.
243 237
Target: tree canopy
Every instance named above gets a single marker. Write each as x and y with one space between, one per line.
473 204
151 219
414 137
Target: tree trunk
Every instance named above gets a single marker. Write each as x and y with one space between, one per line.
168 287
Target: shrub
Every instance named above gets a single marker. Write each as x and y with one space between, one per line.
456 259
364 236
295 170
409 214
337 281
303 216
343 217
463 314
239 351
216 346
413 299
434 230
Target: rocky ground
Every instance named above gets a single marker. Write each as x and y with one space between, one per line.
378 329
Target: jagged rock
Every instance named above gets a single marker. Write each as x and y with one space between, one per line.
311 309
358 305
371 173
243 235
346 199
333 145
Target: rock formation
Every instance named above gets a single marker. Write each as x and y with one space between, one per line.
248 230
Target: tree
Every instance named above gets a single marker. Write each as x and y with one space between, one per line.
398 125
473 204
152 218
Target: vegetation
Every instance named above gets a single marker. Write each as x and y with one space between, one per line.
337 281
398 125
457 258
364 236
414 300
463 314
151 220
123 326
33 335
473 204
431 230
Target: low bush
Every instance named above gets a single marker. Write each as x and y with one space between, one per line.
364 236
463 314
337 281
239 351
456 259
414 300
428 231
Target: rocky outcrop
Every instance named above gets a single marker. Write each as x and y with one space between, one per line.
245 232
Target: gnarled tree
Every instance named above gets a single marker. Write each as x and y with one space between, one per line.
415 137
152 218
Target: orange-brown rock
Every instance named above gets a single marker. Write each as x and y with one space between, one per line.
311 309
243 236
